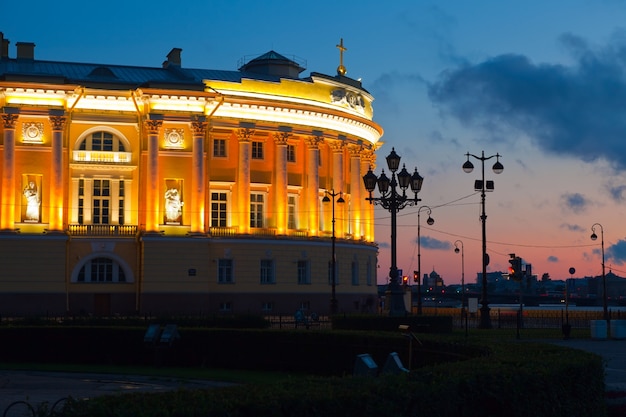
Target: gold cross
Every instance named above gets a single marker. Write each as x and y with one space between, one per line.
341 70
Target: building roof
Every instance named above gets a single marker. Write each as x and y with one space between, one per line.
271 67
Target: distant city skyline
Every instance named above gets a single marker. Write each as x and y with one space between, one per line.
540 83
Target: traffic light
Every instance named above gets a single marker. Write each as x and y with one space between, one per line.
515 270
405 280
415 276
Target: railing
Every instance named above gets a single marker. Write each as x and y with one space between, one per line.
102 230
102 157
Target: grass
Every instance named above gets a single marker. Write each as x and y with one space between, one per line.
222 375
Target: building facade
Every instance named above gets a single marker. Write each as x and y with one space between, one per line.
167 190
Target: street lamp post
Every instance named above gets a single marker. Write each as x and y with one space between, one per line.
594 237
430 222
333 262
480 185
462 250
393 201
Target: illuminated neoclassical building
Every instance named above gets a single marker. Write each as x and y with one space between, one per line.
172 190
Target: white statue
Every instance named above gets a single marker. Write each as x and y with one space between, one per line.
32 202
173 205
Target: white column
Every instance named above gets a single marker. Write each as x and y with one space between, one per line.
339 185
197 177
9 119
153 199
356 196
243 178
56 191
312 202
280 181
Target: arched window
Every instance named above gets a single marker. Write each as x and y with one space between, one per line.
102 269
102 141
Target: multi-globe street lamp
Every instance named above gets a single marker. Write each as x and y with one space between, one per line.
480 185
390 199
430 222
333 262
605 308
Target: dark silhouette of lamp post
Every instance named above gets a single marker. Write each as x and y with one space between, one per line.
594 237
393 201
480 185
462 250
430 222
333 262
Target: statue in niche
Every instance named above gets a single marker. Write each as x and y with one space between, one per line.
173 206
32 202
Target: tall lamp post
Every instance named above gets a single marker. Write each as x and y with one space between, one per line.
333 262
457 250
594 237
430 222
480 185
390 199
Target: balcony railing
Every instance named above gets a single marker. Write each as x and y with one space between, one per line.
102 157
102 230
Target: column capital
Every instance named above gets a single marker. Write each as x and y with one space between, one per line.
9 120
58 123
198 127
355 151
313 141
281 138
336 146
245 134
153 126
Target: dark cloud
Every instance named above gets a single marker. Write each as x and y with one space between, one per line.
617 192
575 110
575 202
616 252
432 243
553 259
572 227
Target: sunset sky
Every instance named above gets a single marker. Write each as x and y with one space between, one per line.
542 83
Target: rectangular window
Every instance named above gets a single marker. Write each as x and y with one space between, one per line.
219 148
101 201
267 272
291 153
355 273
102 270
369 272
218 209
257 150
291 207
304 273
267 307
330 273
120 217
226 307
225 271
81 201
256 210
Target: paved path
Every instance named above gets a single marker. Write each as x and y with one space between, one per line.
36 387
612 351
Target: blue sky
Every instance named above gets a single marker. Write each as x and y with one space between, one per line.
541 83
